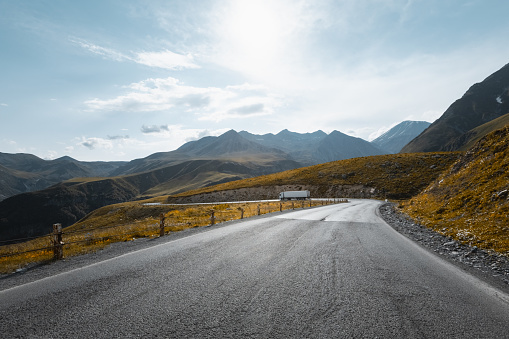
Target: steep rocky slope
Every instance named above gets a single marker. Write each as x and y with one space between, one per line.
483 102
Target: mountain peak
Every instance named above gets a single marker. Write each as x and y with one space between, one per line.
229 133
228 143
398 136
65 158
482 102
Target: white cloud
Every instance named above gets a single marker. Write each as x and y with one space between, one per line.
117 137
96 143
3 104
154 129
160 134
107 53
208 103
165 59
51 155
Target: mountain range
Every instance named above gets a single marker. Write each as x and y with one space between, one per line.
20 173
77 188
231 156
268 153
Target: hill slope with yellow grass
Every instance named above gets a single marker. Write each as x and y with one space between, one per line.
470 201
394 176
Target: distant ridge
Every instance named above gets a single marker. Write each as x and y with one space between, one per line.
397 137
482 103
339 146
299 146
317 147
229 143
21 173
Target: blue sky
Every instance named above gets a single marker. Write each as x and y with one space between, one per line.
120 79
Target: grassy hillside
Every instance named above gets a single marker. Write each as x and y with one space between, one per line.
32 214
394 176
473 136
470 201
16 182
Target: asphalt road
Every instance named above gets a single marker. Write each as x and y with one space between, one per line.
330 272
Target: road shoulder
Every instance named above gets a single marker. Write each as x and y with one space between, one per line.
490 267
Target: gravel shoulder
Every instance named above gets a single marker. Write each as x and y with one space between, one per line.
490 267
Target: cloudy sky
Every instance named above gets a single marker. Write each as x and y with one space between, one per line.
120 79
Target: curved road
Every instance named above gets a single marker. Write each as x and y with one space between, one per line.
330 272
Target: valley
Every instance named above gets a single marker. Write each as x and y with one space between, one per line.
455 193
202 163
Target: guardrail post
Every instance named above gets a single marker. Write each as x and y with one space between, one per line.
293 206
258 210
161 225
241 213
58 249
280 207
212 218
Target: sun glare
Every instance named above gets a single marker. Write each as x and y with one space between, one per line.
255 31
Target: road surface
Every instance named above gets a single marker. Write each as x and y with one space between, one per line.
329 272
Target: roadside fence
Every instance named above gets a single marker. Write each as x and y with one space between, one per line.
51 246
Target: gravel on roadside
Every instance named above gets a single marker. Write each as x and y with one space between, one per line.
490 266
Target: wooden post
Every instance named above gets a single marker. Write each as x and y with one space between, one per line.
58 250
212 218
293 206
259 210
280 207
241 213
161 225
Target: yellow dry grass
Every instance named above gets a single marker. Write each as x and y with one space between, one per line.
128 221
394 176
470 202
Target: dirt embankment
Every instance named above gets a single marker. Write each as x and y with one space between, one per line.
272 192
